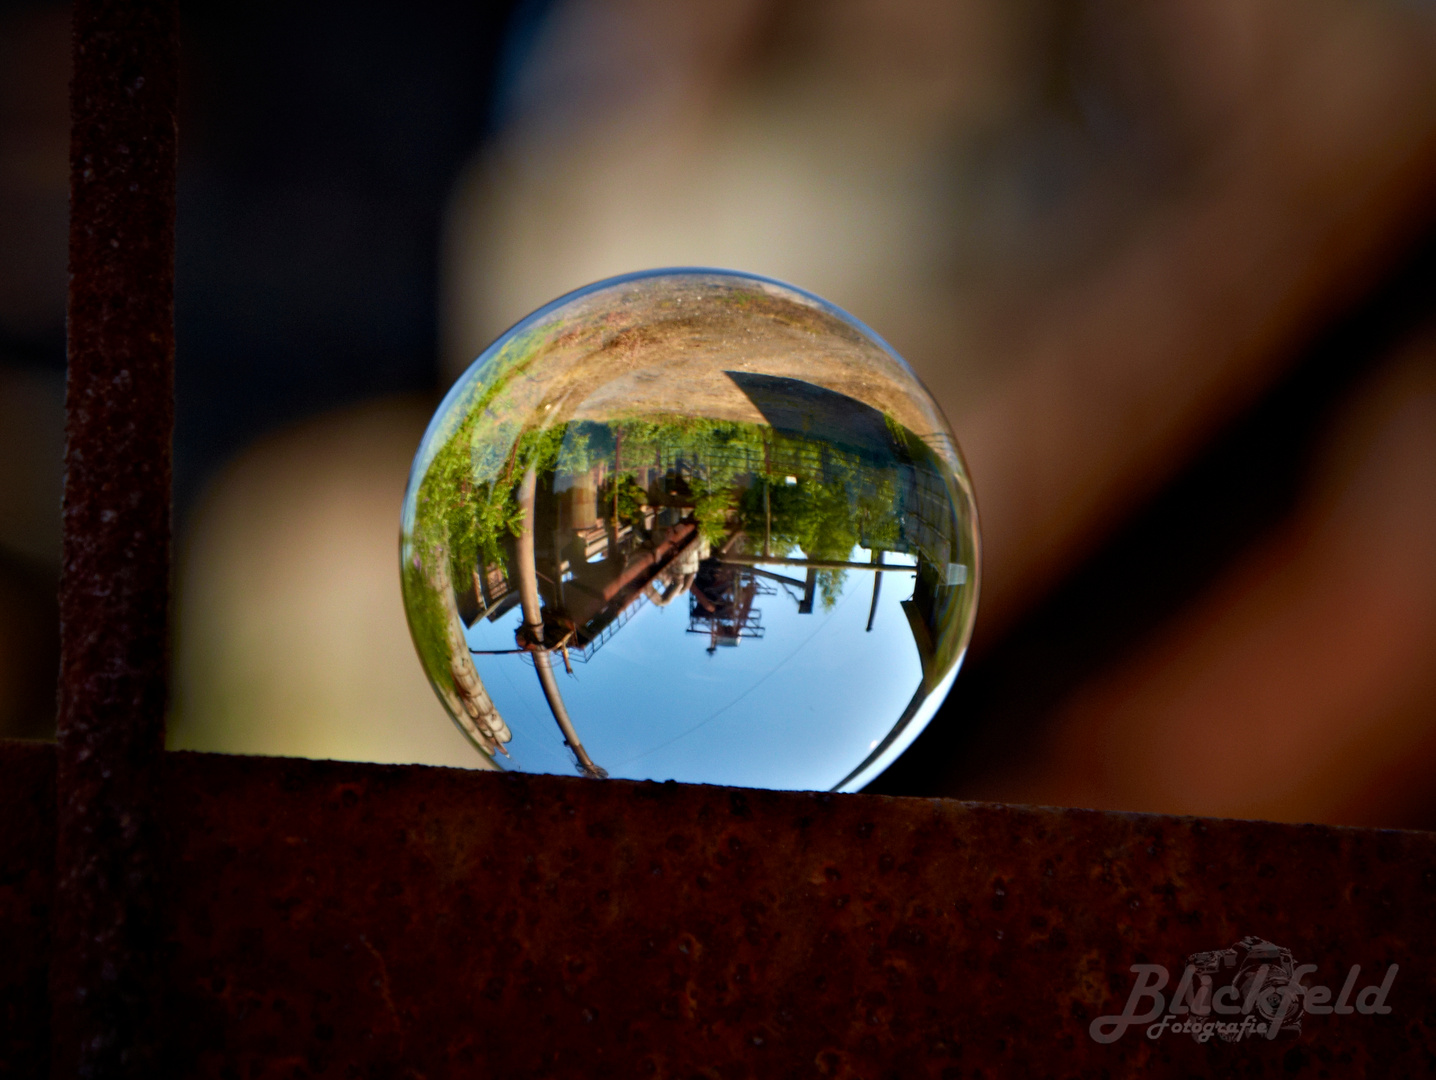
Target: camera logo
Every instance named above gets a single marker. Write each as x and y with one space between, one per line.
1255 988
1265 975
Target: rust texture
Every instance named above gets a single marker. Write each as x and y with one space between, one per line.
348 920
115 573
336 919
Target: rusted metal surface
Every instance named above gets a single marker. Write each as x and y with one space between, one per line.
115 571
27 880
334 919
452 924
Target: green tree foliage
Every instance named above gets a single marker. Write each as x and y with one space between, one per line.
630 498
460 521
838 501
427 624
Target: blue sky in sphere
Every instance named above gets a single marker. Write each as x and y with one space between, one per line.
799 708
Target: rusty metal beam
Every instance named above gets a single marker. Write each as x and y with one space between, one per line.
305 918
114 589
359 920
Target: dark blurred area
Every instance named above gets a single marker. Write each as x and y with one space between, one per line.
34 177
1169 271
319 144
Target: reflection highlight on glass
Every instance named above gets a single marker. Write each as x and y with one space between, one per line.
690 525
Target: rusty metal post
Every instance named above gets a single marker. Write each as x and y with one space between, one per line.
114 591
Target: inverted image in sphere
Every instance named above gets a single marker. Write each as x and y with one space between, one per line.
691 525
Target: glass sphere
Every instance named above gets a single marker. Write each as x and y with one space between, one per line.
691 525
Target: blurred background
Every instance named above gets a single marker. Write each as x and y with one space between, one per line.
1170 271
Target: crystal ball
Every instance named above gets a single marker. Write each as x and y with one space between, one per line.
692 525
